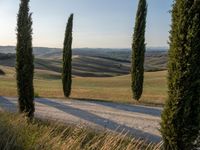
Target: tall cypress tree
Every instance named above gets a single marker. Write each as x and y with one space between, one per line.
24 60
67 58
138 50
180 124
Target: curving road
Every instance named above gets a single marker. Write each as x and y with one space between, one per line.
140 121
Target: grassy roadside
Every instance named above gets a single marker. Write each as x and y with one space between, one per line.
18 134
115 89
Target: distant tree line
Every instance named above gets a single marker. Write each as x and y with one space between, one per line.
180 124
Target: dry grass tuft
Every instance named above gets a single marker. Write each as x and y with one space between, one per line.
18 134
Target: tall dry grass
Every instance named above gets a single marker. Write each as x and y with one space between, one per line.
16 133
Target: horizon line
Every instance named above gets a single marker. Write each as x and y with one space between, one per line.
166 47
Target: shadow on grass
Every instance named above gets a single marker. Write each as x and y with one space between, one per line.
103 122
125 107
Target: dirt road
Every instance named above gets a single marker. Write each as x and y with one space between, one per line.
140 121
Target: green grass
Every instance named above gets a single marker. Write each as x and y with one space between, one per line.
19 134
115 89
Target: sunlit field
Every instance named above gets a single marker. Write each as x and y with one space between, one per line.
116 89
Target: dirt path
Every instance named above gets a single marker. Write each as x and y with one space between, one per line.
141 121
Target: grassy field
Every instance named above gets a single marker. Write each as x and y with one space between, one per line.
116 89
17 134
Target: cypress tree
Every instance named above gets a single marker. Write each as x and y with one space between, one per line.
138 50
67 58
180 124
24 60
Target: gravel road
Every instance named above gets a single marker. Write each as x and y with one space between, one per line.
140 121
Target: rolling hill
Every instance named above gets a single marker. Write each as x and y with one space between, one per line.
88 62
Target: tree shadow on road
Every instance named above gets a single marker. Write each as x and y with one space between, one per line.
125 107
7 104
103 122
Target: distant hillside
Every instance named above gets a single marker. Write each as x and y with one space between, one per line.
89 62
57 52
37 50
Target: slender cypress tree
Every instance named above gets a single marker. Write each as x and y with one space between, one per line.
24 60
67 58
180 124
138 50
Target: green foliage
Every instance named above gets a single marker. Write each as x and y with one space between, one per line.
138 50
67 58
180 124
24 60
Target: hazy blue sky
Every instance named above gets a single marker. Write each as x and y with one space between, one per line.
97 23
